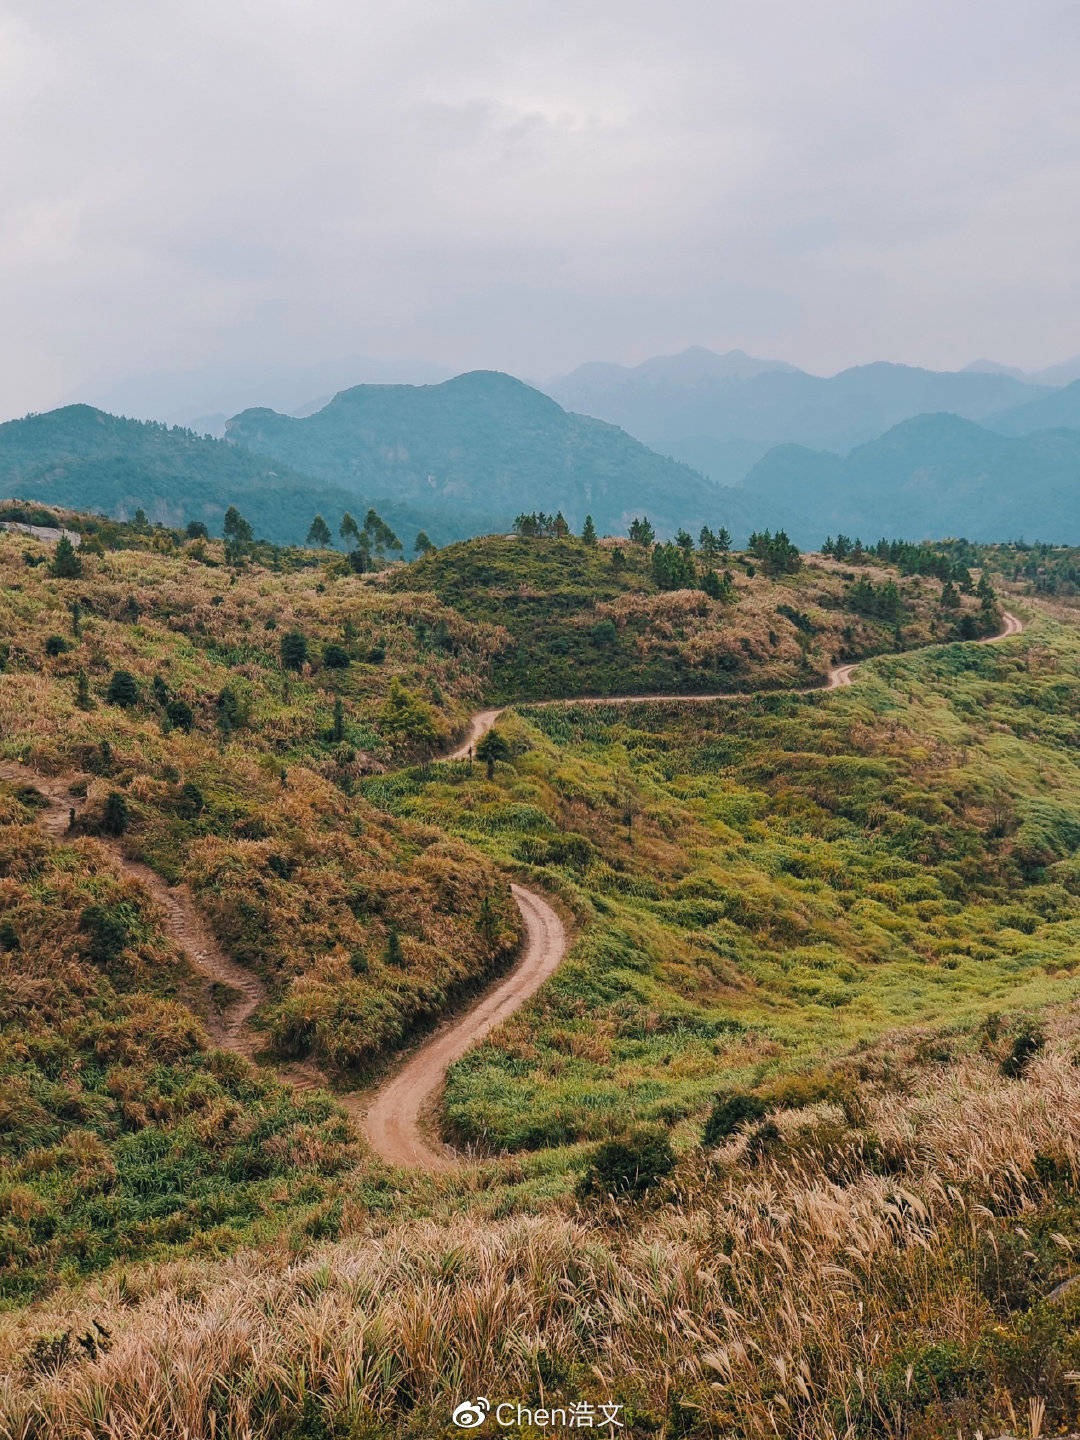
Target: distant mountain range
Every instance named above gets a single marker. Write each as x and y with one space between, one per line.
457 459
477 450
932 476
203 398
722 413
1060 409
87 460
466 455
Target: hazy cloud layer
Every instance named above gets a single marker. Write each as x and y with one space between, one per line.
525 185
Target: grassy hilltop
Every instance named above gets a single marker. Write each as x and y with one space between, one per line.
787 1145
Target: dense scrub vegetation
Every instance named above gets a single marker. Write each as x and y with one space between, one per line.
122 1133
608 619
189 724
786 1147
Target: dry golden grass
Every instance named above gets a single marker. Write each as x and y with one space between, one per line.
794 1292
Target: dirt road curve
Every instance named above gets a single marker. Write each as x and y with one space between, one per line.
839 677
393 1120
392 1124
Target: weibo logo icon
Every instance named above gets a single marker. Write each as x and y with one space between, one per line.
471 1413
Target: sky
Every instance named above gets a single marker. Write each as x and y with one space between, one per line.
191 186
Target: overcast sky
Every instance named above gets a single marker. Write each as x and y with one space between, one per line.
524 186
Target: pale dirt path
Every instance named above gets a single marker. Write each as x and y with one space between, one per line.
838 678
392 1121
227 1027
392 1124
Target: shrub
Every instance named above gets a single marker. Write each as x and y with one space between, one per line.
492 747
628 1167
123 689
191 800
335 656
731 1110
114 820
294 650
394 954
55 645
231 713
1028 1043
107 931
180 714
407 717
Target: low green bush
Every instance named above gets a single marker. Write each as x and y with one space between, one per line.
629 1167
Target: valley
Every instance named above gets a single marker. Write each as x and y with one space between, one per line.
284 989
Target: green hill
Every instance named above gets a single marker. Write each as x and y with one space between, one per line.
86 459
936 475
473 452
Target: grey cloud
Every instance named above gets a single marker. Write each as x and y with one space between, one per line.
529 185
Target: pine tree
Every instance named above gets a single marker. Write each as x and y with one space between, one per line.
76 620
123 689
723 540
236 528
349 530
641 531
394 953
294 650
707 543
115 818
83 698
950 598
588 531
319 533
339 720
66 565
487 921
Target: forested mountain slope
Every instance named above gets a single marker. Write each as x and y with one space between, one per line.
474 452
90 460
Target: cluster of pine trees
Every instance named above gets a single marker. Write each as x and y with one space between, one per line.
538 525
374 538
775 553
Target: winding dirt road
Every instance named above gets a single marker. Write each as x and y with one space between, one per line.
393 1120
392 1124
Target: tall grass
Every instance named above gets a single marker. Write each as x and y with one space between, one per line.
829 1277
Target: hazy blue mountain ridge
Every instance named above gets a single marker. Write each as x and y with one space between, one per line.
931 476
88 460
1060 409
484 447
724 423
